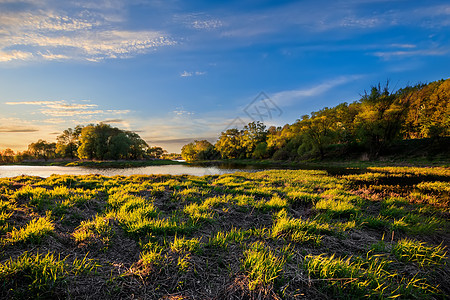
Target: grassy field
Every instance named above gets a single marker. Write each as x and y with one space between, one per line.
289 234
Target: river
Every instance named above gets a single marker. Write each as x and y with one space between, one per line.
46 171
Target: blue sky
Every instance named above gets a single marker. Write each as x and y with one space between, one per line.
175 71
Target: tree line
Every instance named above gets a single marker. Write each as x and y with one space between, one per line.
371 124
92 142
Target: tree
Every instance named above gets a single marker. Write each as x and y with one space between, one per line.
260 151
380 119
67 145
102 141
188 152
319 130
280 138
253 134
139 148
8 155
198 150
156 152
118 146
433 111
229 144
87 149
42 149
344 126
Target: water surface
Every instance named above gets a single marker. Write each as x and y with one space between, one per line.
46 171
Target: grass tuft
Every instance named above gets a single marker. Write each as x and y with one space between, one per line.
419 252
262 265
33 232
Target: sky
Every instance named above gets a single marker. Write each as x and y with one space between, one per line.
177 71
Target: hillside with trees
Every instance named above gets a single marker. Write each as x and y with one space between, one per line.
91 142
369 126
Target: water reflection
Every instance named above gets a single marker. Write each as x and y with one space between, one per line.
46 171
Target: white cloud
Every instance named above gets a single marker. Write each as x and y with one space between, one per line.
426 52
14 55
404 46
186 74
290 96
181 112
32 102
63 109
47 117
54 121
199 21
190 74
50 56
55 104
206 24
48 34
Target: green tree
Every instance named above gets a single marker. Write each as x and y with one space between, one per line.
138 148
156 152
229 144
67 142
260 151
253 134
87 149
118 146
7 155
319 130
198 150
434 118
188 152
380 119
102 141
42 149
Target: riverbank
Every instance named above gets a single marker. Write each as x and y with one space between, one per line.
264 235
328 163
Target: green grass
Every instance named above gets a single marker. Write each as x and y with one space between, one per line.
97 229
181 245
40 276
419 252
262 265
33 232
283 234
349 277
299 230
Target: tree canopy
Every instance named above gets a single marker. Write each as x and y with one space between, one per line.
99 142
378 119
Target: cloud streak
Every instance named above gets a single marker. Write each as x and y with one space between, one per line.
190 74
62 108
425 52
16 129
47 34
290 97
